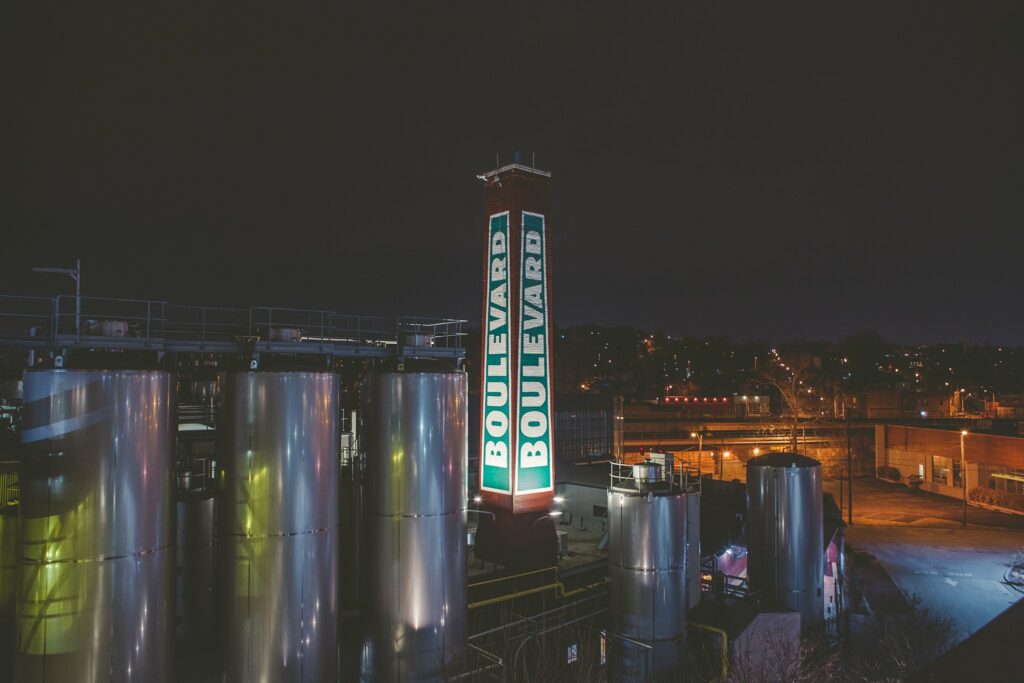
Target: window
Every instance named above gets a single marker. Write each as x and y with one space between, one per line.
940 470
600 511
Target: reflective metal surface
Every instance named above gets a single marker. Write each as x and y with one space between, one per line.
96 558
693 592
785 533
194 580
8 581
277 539
415 503
647 565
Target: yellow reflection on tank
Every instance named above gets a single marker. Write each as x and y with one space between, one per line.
55 597
253 507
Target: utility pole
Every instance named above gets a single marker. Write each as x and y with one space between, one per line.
963 472
849 473
76 275
700 444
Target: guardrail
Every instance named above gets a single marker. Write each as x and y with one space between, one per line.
68 320
653 476
26 317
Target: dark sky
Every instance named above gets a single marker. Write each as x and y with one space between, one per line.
732 171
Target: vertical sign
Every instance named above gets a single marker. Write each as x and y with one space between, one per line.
496 443
534 472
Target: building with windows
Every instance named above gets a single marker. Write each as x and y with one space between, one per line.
994 461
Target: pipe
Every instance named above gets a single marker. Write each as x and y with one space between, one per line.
725 648
556 585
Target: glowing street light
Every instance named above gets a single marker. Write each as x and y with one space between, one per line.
963 472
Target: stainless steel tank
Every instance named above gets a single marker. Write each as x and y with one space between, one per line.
194 580
96 560
277 538
693 592
647 566
785 535
415 504
8 581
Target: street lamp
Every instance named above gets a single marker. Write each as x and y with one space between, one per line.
700 446
76 275
963 472
554 514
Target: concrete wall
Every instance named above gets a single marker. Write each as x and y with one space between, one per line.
579 507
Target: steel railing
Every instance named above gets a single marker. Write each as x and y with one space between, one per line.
681 478
67 318
26 317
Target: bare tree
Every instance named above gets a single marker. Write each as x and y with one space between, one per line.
793 378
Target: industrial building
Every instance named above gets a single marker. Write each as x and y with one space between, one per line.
942 460
280 495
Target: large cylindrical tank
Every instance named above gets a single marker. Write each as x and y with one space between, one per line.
8 582
693 592
194 578
415 504
277 538
96 560
785 536
647 566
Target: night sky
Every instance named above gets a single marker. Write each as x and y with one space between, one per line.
734 171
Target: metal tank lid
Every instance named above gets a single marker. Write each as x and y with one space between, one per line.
782 460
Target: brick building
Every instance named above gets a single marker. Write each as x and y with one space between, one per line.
993 461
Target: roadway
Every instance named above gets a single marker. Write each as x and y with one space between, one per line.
957 573
918 540
881 503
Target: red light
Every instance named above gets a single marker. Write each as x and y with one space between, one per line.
686 400
705 399
714 400
677 399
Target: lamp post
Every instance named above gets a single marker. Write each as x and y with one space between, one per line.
554 514
76 275
700 445
963 472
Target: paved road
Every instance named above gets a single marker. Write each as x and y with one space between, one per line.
957 573
882 503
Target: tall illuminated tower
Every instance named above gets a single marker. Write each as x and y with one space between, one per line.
517 476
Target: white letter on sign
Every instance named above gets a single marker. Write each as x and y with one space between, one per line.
497 424
533 455
496 454
534 394
534 424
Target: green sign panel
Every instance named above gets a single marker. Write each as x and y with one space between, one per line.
534 472
496 426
